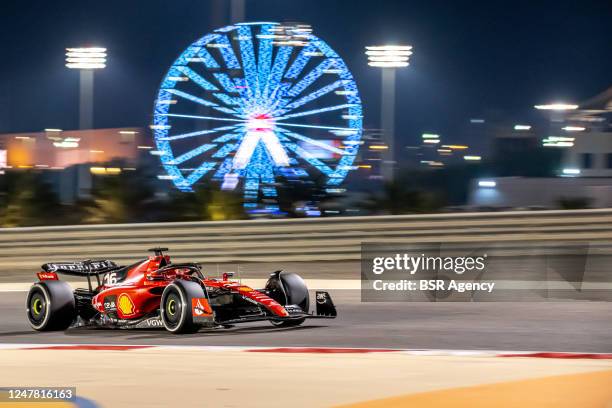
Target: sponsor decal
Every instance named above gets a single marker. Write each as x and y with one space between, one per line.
150 322
80 266
293 309
110 303
125 304
244 289
200 307
321 298
47 276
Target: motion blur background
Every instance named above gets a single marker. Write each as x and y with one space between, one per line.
467 135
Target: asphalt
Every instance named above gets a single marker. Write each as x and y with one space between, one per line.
545 326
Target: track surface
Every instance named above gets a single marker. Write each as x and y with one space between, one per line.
568 326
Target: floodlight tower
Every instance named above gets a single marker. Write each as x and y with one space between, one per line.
389 58
237 11
86 60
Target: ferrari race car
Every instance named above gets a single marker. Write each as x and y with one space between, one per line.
154 292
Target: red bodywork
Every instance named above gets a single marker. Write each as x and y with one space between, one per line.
139 292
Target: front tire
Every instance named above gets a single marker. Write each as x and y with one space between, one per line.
288 289
50 306
175 306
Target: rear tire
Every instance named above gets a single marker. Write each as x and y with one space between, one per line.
50 306
175 307
289 289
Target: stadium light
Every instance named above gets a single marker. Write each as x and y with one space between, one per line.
389 58
86 60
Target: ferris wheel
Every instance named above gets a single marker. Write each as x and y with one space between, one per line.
252 105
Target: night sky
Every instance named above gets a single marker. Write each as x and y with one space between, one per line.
471 58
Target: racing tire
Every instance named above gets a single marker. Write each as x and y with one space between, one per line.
289 288
175 307
50 305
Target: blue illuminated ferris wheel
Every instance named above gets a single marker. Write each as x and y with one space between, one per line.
253 105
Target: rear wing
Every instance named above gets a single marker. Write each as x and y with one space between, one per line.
86 268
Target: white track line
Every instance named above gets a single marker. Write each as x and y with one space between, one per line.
313 284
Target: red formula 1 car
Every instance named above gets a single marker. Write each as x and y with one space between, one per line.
154 292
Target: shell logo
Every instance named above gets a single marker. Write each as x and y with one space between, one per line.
125 304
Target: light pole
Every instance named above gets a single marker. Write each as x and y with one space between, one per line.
389 58
86 60
237 11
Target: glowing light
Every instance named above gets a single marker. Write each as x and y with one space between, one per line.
430 136
86 58
105 170
431 141
574 128
389 56
51 130
472 158
571 172
487 183
522 127
558 141
378 147
65 144
559 106
456 147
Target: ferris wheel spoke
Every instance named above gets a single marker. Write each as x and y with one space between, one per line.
190 97
226 82
200 172
315 126
191 154
227 137
301 61
264 54
226 110
247 53
313 161
276 73
208 60
197 133
311 77
315 111
227 52
313 142
191 74
225 150
228 100
179 115
314 95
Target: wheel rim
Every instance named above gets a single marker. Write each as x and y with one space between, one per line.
172 310
37 308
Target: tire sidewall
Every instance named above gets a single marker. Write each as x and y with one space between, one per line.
186 290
